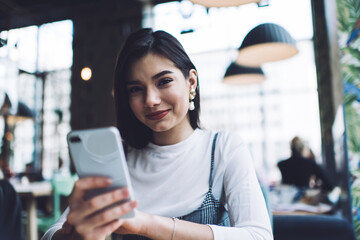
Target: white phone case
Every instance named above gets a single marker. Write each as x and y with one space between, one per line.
99 152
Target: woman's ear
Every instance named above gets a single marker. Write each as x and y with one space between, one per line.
193 78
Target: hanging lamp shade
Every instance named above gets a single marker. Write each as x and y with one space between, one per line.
267 42
241 75
223 3
23 113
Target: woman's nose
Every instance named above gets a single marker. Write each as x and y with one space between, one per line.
152 98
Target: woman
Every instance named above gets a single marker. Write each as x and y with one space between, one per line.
189 183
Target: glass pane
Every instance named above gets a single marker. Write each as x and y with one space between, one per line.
266 115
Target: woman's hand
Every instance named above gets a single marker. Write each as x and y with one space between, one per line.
84 215
135 225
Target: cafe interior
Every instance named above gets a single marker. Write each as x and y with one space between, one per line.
269 70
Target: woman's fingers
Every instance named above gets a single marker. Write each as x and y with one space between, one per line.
99 202
76 199
100 232
96 231
84 184
98 216
106 216
80 208
110 227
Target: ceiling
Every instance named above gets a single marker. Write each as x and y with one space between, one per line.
21 13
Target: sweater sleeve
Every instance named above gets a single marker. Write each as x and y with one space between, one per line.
58 225
248 214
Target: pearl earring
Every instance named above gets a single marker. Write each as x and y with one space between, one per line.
192 95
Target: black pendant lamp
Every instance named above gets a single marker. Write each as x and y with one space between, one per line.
267 42
23 113
242 75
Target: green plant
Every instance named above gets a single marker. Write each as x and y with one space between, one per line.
348 14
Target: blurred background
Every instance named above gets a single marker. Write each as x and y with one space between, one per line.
56 69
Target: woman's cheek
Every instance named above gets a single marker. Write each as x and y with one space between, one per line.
134 106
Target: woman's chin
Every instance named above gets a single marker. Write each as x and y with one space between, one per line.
160 127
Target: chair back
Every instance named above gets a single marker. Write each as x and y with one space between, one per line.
62 186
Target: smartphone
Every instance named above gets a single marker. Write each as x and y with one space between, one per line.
99 152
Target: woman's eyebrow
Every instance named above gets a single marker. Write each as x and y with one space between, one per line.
131 82
158 75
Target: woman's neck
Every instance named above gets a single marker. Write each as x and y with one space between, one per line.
172 136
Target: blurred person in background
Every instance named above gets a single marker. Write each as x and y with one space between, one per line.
302 170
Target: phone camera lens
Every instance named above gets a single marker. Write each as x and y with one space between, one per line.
75 139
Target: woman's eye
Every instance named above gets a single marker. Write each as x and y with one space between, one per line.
164 81
134 89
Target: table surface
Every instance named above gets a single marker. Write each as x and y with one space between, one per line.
34 188
281 201
29 191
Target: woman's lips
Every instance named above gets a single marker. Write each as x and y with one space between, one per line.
157 115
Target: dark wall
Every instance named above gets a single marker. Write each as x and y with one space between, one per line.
97 40
100 29
23 13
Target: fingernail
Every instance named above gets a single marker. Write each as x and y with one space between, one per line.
125 191
108 180
133 204
119 193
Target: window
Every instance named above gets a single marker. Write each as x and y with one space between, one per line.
35 70
266 115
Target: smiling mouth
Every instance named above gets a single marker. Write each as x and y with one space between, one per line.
157 115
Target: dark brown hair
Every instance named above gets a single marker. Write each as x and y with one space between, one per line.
137 45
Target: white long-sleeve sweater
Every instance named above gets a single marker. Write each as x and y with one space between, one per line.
173 180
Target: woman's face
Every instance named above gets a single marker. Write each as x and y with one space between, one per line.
159 93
